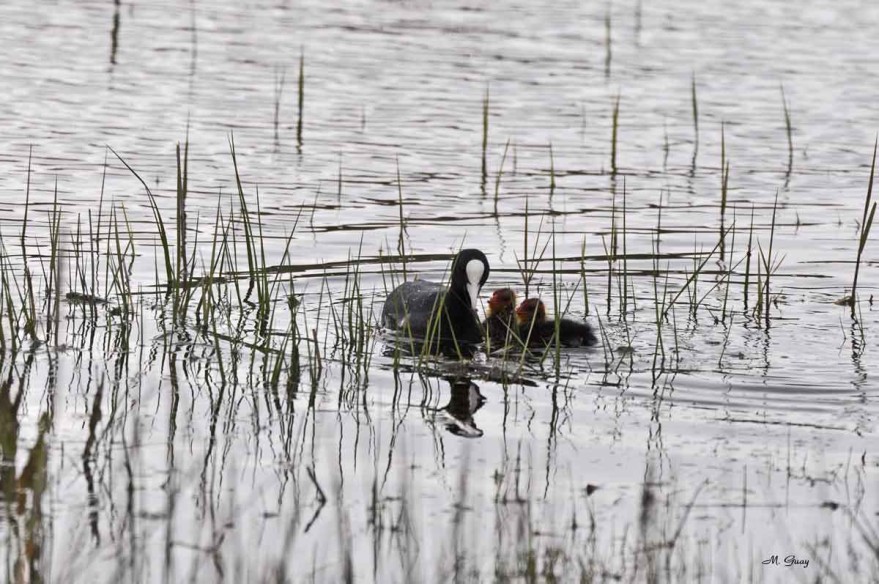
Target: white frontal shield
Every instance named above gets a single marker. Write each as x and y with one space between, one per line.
474 270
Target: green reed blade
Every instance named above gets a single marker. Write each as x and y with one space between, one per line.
613 134
157 216
866 224
789 130
301 99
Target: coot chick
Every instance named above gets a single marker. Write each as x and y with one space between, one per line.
500 321
533 326
429 310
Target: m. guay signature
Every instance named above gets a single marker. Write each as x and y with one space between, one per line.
789 561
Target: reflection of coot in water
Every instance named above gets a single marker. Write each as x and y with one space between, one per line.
458 413
500 320
430 310
533 326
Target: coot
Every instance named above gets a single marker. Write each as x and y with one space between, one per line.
533 326
465 400
500 321
429 310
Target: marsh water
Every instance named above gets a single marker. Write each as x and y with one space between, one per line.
264 428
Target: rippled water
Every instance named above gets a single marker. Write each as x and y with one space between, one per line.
154 452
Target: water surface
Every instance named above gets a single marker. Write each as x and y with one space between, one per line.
143 448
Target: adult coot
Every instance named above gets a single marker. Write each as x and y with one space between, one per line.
500 320
533 326
457 416
429 310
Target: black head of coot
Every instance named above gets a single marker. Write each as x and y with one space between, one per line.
469 272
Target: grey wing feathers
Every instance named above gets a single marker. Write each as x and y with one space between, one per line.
409 307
